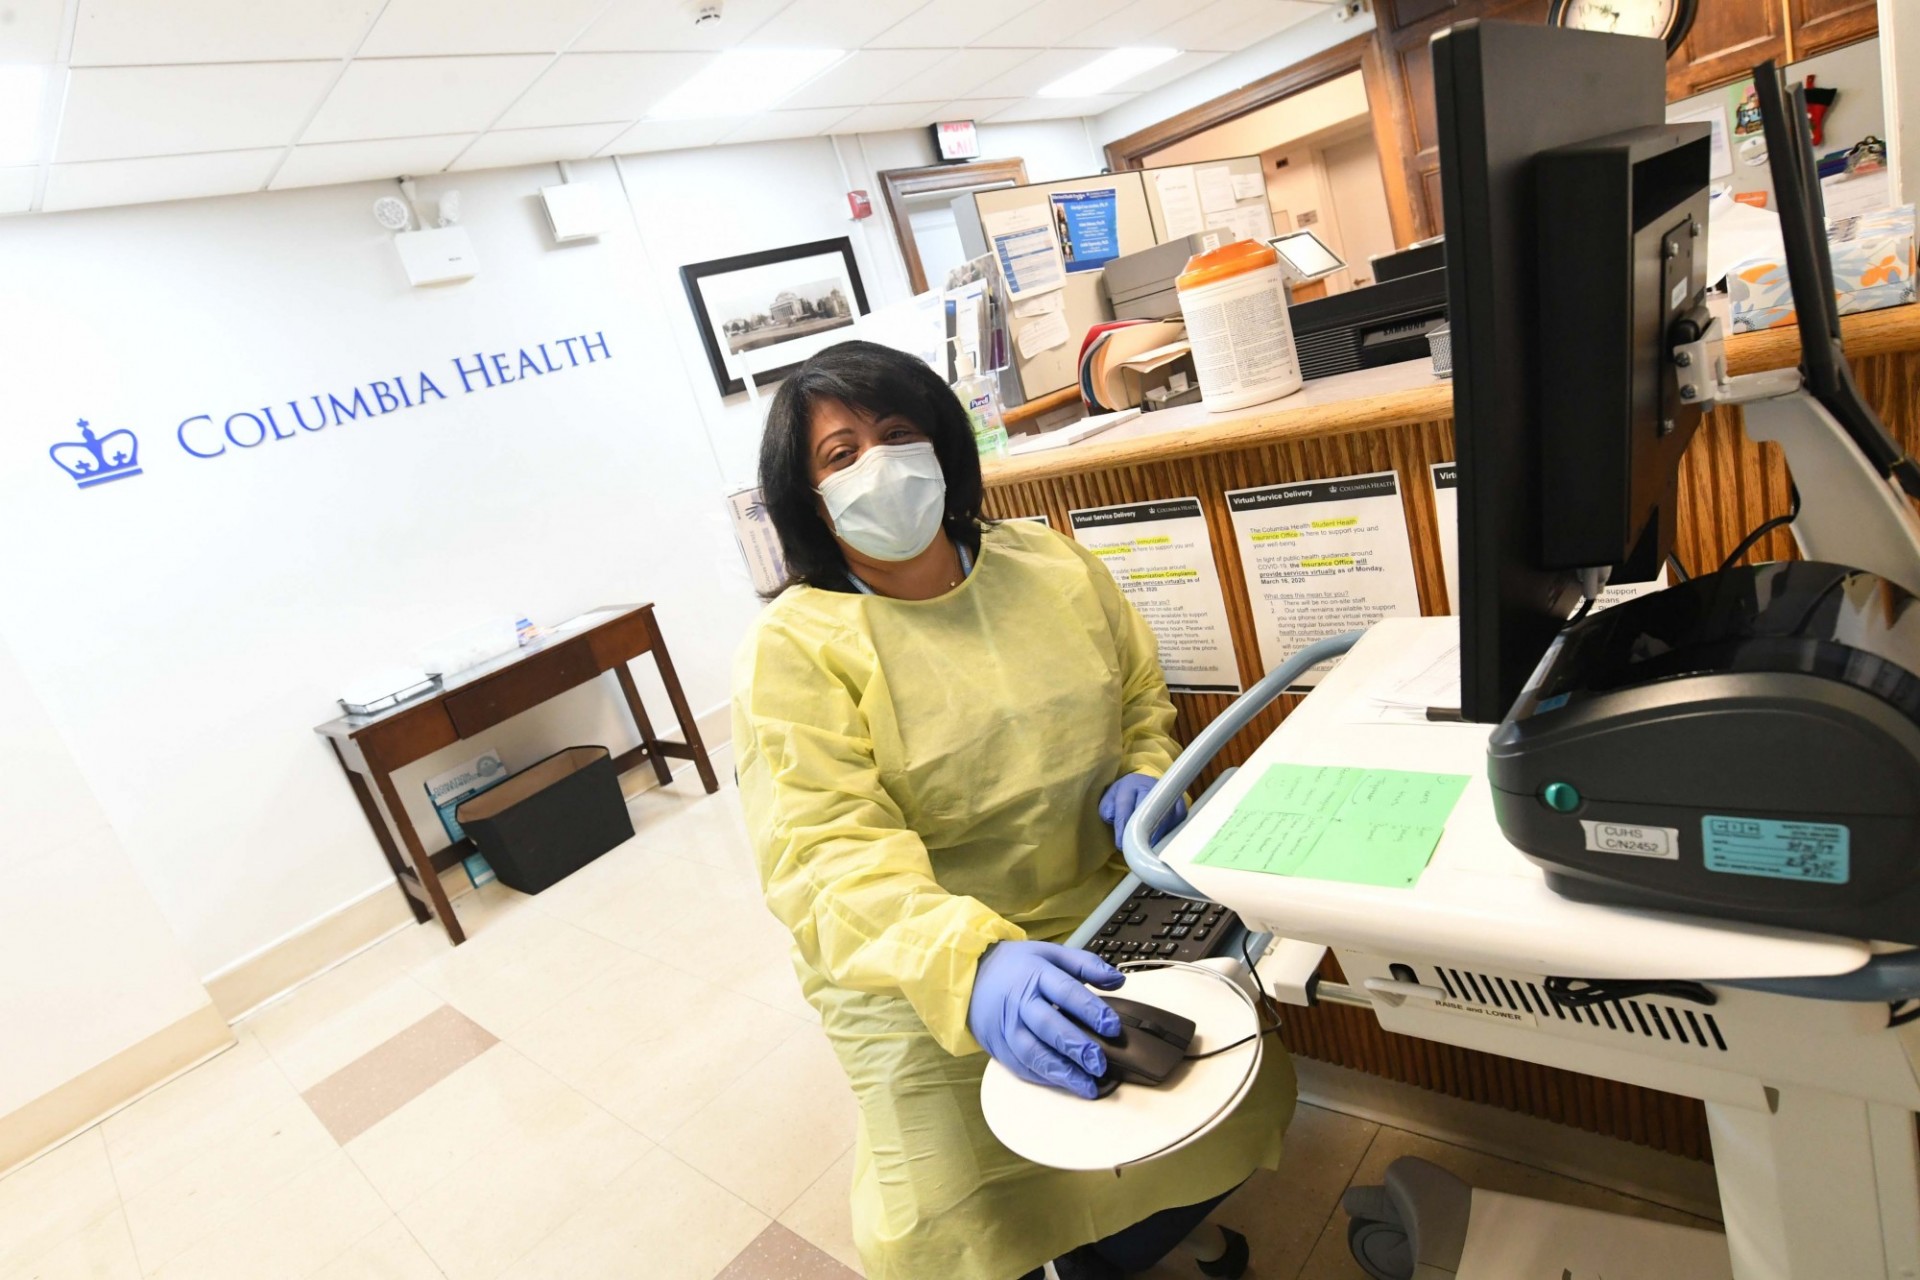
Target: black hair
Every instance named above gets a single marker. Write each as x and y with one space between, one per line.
879 381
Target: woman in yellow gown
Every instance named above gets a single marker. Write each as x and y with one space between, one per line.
927 721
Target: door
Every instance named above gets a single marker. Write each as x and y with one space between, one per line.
1360 202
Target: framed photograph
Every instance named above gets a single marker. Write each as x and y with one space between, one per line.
779 298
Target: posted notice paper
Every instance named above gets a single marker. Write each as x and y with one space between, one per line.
1322 557
1446 513
1179 201
1161 556
1026 249
1089 227
1215 183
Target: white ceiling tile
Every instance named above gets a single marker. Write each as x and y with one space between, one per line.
942 24
1230 25
594 88
414 97
142 181
969 109
329 162
30 30
667 135
771 125
16 189
1031 73
427 28
1115 23
148 111
1059 108
830 24
640 25
503 147
143 33
864 77
882 117
1052 22
1167 72
962 73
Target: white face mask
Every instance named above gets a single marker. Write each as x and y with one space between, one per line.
888 505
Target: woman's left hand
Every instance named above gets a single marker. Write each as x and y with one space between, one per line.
1125 795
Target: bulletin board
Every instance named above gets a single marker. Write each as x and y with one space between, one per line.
1096 229
1210 195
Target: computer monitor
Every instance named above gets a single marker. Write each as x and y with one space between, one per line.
1304 257
1576 238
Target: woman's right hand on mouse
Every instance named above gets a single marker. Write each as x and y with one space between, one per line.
1019 992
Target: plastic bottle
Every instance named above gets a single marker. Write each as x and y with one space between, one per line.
980 397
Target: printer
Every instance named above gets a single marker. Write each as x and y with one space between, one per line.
1743 745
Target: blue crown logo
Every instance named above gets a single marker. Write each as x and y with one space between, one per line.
92 460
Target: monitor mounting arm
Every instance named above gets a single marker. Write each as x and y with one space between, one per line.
1850 514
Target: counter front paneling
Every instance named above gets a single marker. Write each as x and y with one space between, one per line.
1401 419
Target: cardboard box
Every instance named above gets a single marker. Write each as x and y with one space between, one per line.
1873 263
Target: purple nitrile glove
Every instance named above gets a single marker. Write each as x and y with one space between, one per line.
1019 992
1124 796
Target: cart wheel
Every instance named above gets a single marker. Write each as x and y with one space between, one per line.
1380 1248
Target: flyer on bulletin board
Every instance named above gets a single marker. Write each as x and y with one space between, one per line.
1088 224
1322 557
1161 556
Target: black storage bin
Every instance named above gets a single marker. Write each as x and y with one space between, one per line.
550 819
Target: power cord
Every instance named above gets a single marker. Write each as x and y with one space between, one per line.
1577 993
1766 527
1266 1005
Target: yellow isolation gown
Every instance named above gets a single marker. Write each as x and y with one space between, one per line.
921 779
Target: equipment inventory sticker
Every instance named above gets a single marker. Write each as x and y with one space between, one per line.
1814 851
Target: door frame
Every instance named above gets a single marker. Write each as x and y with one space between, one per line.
1361 54
896 185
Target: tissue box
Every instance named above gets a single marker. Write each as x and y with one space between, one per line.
1872 268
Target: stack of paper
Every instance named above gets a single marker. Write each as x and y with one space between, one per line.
1424 682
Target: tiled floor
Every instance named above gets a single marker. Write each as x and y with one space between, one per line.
617 1078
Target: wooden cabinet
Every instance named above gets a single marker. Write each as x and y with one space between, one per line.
1730 36
1819 25
1403 30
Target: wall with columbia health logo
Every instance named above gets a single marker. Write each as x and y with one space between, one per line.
243 463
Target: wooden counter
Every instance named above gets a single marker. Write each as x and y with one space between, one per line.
1400 418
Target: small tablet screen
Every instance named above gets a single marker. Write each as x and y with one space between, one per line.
1305 254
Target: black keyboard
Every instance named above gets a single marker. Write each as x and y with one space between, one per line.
1163 926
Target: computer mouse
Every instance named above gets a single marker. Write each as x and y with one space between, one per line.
1151 1043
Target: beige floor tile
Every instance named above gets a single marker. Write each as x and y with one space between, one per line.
491 1100
778 1254
289 1234
254 1160
510 975
823 1215
655 1085
1282 1212
310 1049
639 1000
389 1253
678 897
481 910
59 1195
771 1134
103 1251
194 1114
660 1219
488 1212
381 1081
610 873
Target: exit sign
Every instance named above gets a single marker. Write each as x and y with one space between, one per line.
956 140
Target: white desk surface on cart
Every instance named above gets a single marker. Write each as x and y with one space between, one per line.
1479 900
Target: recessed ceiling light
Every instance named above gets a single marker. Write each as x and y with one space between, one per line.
21 89
1107 71
742 81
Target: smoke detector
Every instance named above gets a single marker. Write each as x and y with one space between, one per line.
705 13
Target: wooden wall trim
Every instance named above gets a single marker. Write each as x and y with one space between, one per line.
1131 151
896 185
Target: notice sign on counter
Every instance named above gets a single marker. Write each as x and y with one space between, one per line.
1161 556
1322 557
1446 512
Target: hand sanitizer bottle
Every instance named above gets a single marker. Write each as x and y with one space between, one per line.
980 397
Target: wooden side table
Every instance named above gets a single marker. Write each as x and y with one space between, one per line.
372 748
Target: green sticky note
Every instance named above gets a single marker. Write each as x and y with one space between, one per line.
1357 826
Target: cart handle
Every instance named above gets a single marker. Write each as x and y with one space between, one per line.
1892 977
1208 743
